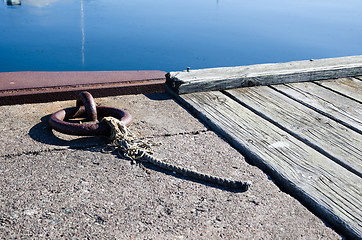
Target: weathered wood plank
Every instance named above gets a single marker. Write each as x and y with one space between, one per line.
332 191
334 140
350 87
337 107
263 74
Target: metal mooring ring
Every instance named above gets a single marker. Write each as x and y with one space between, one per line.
86 107
86 99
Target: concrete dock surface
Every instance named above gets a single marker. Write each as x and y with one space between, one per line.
55 186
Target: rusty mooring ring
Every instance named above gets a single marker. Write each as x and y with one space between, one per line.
86 107
86 99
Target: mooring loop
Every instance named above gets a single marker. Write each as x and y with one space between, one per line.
86 99
86 108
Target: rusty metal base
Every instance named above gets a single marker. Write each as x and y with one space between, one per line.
35 87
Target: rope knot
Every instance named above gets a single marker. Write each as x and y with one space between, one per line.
123 140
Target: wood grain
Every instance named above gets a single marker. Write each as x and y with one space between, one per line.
350 87
337 107
334 140
263 74
333 192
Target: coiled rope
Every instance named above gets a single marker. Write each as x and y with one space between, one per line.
127 145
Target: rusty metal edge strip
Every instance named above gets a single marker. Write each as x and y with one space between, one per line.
35 79
71 92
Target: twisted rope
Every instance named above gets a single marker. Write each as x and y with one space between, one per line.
125 143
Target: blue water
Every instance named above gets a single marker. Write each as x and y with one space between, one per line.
73 35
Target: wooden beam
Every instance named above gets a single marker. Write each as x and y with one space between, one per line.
263 74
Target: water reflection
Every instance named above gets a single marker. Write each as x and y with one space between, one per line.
54 35
39 3
82 28
12 2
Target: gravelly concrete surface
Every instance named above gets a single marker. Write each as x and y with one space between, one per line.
152 113
54 186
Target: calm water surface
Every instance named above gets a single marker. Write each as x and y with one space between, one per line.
69 35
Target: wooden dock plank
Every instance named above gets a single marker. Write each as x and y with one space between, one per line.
331 104
334 140
263 74
350 87
333 192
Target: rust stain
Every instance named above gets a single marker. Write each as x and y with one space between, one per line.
35 87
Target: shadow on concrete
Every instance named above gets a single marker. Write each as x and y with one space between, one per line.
158 96
41 132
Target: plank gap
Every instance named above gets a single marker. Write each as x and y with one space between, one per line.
294 134
335 91
318 110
